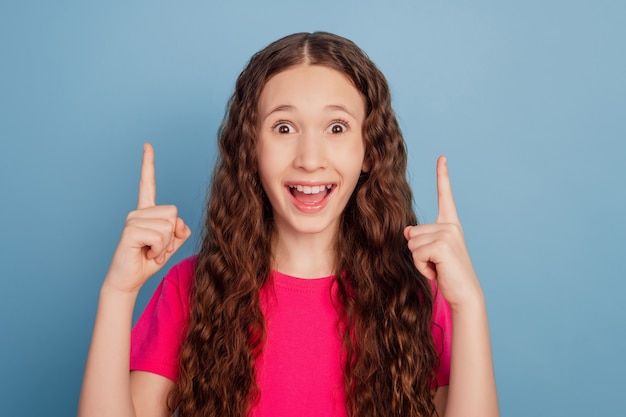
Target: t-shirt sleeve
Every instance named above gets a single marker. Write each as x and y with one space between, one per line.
442 334
158 334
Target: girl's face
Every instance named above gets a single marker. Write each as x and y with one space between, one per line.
310 147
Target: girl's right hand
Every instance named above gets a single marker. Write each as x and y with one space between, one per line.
151 235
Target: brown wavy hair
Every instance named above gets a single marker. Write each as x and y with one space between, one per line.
386 305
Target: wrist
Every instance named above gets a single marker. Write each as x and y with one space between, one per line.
470 304
109 288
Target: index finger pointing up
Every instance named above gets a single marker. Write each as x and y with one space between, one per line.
447 208
147 182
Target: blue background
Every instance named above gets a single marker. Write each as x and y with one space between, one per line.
528 100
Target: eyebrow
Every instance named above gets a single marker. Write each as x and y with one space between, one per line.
282 107
336 107
286 107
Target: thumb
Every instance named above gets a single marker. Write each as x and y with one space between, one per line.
182 232
407 232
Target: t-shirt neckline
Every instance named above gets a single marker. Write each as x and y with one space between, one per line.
290 281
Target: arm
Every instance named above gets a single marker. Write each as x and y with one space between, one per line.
472 388
150 236
439 253
472 382
106 383
108 387
149 392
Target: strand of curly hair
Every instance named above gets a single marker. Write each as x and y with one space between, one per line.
386 305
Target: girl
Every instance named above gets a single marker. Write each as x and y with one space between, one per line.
312 293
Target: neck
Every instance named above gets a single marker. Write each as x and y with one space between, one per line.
304 255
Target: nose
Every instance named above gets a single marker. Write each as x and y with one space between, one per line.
311 151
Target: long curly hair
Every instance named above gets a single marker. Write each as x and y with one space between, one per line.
386 305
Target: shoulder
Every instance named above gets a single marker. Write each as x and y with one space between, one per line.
182 273
177 284
160 330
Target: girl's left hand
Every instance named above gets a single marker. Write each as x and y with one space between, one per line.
439 250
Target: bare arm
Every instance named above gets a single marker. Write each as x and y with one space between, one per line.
472 389
150 236
472 383
149 392
106 383
440 253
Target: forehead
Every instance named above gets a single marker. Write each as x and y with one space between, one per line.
308 86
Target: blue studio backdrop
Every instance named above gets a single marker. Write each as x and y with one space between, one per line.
527 99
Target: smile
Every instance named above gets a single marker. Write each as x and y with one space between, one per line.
310 198
307 189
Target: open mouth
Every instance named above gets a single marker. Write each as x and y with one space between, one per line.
311 195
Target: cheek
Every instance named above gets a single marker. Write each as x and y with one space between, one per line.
366 163
360 158
261 156
268 168
267 151
265 161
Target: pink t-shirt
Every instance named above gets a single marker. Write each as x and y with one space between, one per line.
299 371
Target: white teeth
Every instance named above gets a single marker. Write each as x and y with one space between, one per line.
312 189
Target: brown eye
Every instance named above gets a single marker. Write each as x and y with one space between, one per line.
283 128
337 128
